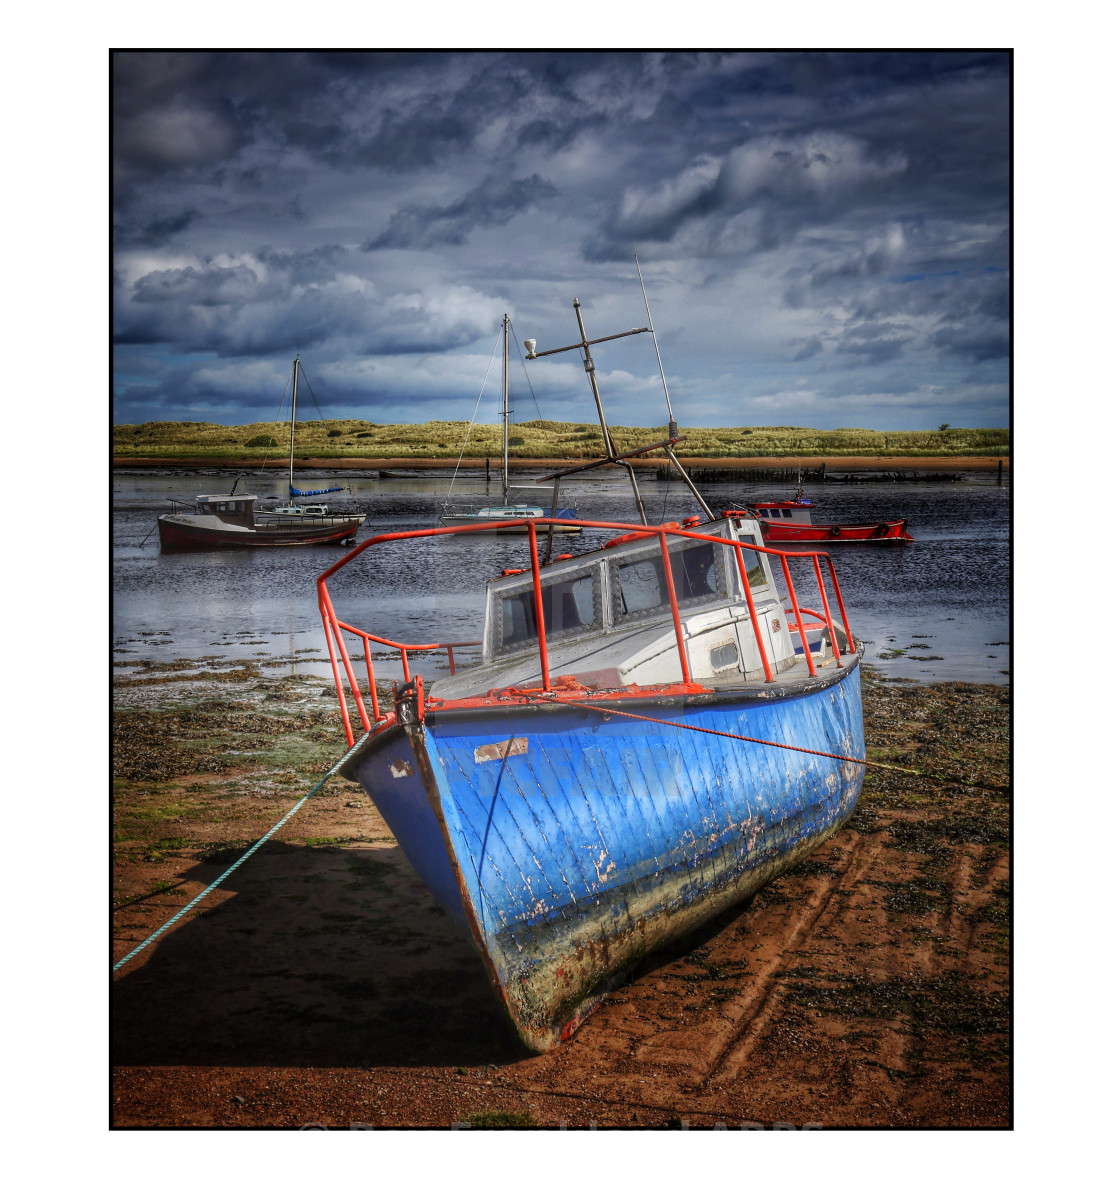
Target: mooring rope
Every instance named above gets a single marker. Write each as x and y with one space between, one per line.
862 761
233 867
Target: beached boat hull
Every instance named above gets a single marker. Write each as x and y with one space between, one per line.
572 844
885 532
184 532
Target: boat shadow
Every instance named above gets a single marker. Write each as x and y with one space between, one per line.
319 956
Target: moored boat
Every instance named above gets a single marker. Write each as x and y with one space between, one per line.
487 514
241 521
641 745
232 522
789 521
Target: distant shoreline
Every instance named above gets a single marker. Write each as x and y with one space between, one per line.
810 463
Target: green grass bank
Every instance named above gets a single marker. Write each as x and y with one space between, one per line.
352 439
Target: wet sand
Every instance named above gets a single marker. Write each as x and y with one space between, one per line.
321 984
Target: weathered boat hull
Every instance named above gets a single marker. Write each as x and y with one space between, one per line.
180 532
885 532
572 844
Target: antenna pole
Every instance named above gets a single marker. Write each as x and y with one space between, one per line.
292 451
589 365
505 410
589 368
664 383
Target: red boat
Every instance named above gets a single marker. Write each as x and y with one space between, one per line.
789 521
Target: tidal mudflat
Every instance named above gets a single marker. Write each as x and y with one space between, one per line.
321 984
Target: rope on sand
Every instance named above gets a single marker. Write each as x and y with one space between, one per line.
233 867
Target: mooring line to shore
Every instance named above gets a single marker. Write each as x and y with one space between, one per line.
234 866
862 761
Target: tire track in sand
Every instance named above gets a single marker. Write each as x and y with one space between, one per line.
749 1013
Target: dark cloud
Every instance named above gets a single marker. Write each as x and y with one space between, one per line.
491 203
155 232
798 216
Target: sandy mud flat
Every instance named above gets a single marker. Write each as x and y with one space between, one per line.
320 984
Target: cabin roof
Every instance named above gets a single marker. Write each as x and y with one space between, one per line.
241 497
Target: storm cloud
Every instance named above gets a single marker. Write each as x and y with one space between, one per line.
824 236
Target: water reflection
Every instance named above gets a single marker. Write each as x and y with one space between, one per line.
937 609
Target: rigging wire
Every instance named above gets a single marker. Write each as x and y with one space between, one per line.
307 382
275 422
664 383
540 416
470 425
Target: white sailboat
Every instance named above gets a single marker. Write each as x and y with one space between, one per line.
507 511
309 513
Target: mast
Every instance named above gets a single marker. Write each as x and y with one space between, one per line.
612 454
505 410
292 450
589 367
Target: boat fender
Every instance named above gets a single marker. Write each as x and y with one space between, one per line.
881 530
691 522
511 572
834 530
625 538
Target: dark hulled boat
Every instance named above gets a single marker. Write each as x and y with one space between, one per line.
233 522
241 521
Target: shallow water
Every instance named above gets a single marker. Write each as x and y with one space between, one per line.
934 610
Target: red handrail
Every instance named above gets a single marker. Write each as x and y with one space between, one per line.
338 651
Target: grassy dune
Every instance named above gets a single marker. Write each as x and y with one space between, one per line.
537 439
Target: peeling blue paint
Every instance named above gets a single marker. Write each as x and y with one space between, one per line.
601 841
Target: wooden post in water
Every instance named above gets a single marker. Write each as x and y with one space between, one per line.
999 472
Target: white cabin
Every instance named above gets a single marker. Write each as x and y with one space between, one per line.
609 621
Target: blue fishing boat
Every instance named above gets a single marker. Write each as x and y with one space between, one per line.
641 745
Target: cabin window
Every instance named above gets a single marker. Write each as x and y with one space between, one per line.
787 512
638 583
756 575
725 655
571 606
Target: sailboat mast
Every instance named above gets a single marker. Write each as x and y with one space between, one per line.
505 410
292 450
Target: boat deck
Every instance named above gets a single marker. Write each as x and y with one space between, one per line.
596 663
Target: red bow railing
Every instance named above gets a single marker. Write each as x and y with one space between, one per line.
342 666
